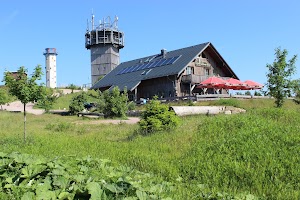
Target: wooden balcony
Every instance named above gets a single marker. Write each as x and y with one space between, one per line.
193 79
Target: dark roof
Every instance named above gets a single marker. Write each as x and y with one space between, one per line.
132 79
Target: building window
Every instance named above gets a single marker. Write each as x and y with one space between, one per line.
189 70
206 72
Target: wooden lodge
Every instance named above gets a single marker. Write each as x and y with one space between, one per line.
168 74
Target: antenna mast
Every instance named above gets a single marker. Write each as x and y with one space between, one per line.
93 20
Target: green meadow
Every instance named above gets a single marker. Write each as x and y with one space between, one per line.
255 155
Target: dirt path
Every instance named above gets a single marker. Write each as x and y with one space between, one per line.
17 106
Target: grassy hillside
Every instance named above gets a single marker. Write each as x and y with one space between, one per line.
253 154
63 102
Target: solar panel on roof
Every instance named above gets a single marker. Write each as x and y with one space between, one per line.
153 64
149 65
160 62
127 70
121 71
146 65
169 61
164 62
135 67
172 60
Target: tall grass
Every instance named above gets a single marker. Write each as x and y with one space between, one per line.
255 153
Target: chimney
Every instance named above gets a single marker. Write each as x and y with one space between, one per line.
163 53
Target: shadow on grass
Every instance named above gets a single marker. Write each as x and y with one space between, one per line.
60 112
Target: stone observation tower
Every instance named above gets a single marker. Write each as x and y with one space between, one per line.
50 54
104 41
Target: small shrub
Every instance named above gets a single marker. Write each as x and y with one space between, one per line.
62 127
157 117
190 102
131 105
115 103
93 93
48 100
247 93
256 93
77 103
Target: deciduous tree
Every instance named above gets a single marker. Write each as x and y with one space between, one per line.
279 84
72 87
25 88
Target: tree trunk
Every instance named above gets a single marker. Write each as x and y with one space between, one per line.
24 122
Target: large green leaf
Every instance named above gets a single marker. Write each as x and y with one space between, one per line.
95 191
2 155
45 195
79 178
58 171
32 170
141 195
65 195
113 188
46 185
28 196
61 182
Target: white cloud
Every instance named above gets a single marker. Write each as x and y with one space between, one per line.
6 20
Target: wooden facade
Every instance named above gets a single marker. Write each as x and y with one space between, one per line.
186 68
206 64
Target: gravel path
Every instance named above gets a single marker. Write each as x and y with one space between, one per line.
17 106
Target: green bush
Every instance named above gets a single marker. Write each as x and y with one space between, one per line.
247 93
93 93
115 103
77 103
157 117
256 93
131 105
4 96
49 98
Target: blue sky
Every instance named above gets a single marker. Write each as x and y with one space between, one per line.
244 32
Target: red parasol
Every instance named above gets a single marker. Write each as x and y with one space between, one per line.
213 82
236 84
253 85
